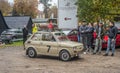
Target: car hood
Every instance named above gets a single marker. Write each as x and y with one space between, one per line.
70 44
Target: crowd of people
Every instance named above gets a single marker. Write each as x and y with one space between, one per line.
86 36
86 32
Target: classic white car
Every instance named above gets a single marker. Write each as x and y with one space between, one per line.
52 44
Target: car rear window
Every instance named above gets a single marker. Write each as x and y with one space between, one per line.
48 37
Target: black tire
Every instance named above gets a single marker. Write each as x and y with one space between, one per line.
64 55
31 53
77 57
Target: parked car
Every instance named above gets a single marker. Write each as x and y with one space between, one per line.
72 35
11 35
52 44
0 40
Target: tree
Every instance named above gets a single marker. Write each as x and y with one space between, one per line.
25 7
5 7
46 9
53 11
94 10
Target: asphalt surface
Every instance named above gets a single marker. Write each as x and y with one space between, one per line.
14 60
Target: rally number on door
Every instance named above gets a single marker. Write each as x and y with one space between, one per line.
49 47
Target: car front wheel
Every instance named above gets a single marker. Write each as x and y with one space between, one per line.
31 53
64 55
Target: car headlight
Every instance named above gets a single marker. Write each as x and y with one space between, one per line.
74 48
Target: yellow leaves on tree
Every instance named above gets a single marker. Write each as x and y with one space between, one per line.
26 7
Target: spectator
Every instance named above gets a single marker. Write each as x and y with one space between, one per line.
25 34
95 25
98 41
112 33
34 28
78 34
50 26
83 34
90 38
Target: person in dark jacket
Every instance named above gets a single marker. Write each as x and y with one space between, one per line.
83 34
112 33
90 38
98 43
25 34
78 34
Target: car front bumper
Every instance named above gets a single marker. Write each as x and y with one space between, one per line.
76 53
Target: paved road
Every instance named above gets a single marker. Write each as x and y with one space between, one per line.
14 60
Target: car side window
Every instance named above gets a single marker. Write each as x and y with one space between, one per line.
18 31
48 37
37 37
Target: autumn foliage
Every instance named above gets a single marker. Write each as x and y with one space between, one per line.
5 7
25 8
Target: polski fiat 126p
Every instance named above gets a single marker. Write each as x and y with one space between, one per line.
52 44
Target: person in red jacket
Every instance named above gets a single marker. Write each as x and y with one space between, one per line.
50 26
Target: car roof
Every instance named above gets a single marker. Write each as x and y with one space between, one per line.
49 32
14 29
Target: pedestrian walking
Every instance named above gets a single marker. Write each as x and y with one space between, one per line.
90 37
83 34
25 34
98 42
112 33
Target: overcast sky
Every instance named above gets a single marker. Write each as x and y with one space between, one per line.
11 1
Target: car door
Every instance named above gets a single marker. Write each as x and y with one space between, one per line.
118 39
36 42
49 46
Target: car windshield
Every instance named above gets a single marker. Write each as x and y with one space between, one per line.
61 37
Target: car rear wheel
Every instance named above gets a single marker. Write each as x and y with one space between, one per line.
64 55
31 53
